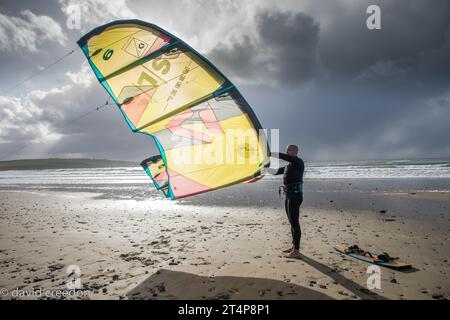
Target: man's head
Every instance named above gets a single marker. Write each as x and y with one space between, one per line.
292 150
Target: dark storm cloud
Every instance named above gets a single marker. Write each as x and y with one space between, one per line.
293 40
355 121
285 50
413 39
317 73
383 94
294 47
240 58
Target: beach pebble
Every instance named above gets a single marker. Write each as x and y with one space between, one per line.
95 286
366 291
56 266
222 296
161 287
438 296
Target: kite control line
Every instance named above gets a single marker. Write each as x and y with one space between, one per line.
38 72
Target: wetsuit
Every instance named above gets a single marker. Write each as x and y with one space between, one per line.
293 182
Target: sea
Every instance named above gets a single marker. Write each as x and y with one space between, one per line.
323 181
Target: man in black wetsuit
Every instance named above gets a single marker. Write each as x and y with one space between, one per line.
293 186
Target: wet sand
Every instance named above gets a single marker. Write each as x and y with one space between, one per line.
224 246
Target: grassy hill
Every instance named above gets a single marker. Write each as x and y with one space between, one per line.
34 164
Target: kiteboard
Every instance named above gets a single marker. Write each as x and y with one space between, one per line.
375 258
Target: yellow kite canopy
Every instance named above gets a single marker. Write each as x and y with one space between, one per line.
207 135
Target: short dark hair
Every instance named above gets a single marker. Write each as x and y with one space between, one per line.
293 146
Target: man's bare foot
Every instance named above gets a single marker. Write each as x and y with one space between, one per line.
288 250
294 254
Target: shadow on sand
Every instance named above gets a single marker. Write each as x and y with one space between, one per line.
351 286
409 270
167 284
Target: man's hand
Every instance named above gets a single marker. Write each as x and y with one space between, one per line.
275 171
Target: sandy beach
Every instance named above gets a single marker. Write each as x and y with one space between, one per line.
226 244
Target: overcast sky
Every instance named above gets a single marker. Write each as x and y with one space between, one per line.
309 68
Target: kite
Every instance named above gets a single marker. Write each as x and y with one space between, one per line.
207 135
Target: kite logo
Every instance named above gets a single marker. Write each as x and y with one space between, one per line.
136 47
178 84
108 53
246 151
